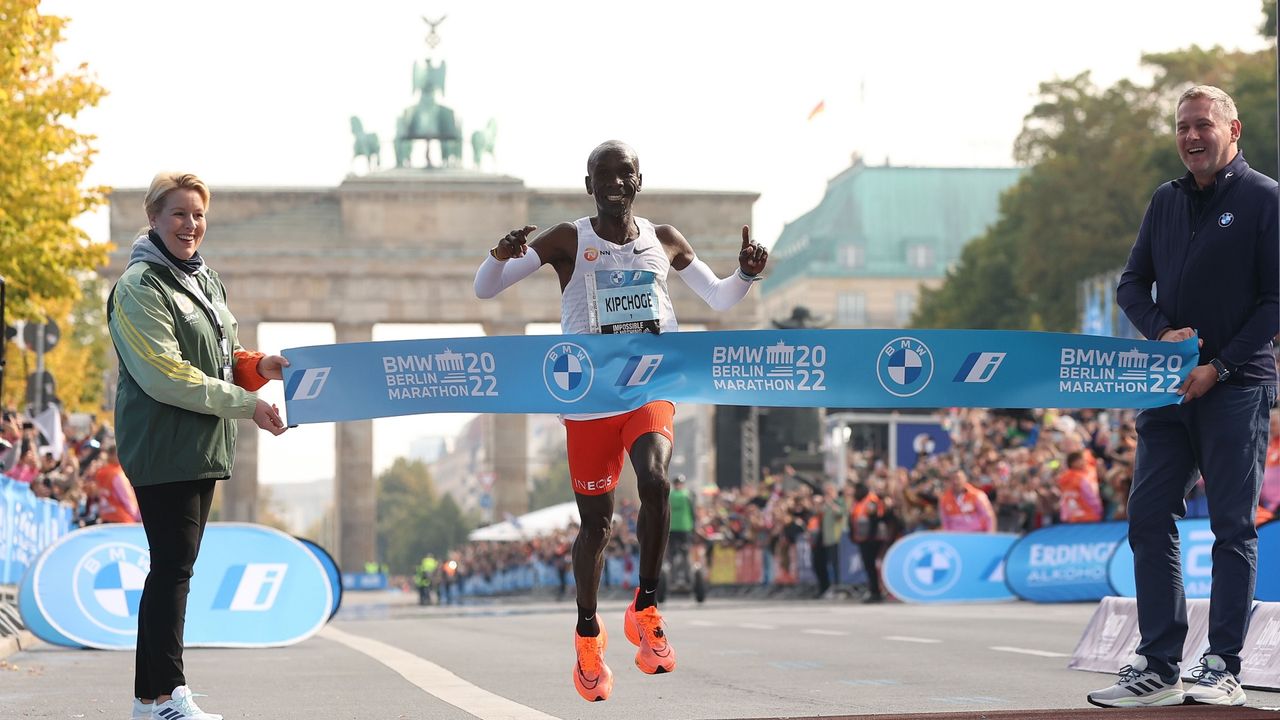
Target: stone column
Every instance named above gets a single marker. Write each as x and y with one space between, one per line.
509 448
240 493
354 490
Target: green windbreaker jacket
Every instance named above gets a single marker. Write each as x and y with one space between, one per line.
176 406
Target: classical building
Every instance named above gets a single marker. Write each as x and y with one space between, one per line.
859 258
402 246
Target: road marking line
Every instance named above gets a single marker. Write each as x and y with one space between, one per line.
702 623
437 681
908 638
835 633
1027 651
757 626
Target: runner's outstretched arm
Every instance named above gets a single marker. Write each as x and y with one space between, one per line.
722 293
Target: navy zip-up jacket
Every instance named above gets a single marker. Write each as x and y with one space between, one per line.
1216 269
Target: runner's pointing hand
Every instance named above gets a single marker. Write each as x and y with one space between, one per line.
513 244
753 256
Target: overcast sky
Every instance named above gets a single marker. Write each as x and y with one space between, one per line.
712 94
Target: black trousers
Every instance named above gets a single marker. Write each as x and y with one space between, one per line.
173 516
826 565
1223 435
869 550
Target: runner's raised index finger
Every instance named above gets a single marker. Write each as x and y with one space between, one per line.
746 237
524 232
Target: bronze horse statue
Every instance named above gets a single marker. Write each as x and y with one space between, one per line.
429 120
366 145
482 142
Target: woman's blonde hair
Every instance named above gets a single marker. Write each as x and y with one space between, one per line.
165 183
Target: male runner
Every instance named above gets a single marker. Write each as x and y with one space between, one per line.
588 254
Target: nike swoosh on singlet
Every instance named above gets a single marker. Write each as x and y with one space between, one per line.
637 251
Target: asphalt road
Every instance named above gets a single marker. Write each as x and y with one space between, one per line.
384 658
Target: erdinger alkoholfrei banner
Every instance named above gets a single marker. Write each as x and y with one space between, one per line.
253 586
941 567
1064 563
771 368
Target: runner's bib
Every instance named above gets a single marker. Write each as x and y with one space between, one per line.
623 301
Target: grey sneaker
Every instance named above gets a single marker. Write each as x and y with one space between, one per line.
182 706
1137 687
141 711
1214 685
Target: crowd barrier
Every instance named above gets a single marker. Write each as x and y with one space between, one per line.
28 525
727 566
253 586
364 581
1080 562
1110 640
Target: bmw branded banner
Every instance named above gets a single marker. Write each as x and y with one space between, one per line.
771 368
939 567
1197 562
1268 588
253 587
330 569
1064 563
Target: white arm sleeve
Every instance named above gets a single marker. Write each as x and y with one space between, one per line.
720 293
494 276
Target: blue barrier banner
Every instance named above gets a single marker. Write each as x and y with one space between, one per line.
941 567
330 570
850 571
1268 587
253 587
1197 562
1064 563
364 581
28 524
770 368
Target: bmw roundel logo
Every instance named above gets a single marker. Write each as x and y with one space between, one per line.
617 277
567 372
1226 219
107 585
904 367
932 567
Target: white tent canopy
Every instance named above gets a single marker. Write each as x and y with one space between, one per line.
530 525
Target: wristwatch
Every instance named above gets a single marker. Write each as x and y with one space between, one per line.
1223 372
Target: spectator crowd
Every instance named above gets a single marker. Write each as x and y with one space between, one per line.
1005 471
74 464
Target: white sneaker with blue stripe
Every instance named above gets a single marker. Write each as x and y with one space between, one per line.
1138 687
1214 684
182 706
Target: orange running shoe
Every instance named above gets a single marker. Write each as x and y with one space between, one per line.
592 678
646 630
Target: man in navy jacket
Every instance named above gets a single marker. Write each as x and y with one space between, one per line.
1208 247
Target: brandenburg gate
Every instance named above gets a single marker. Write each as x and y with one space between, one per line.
402 246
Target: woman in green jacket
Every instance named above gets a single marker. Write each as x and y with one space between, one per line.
184 381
